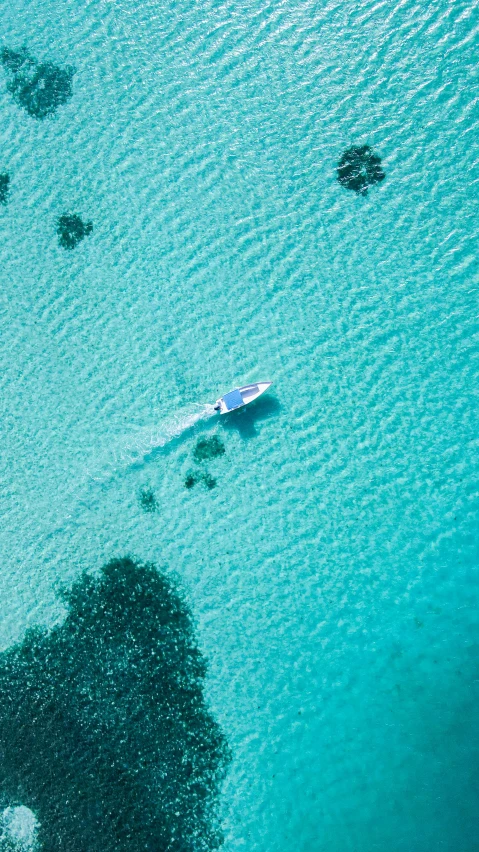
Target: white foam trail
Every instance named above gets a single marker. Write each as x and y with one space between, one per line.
148 439
135 448
132 450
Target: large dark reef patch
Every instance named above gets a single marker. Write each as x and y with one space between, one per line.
104 730
39 87
360 168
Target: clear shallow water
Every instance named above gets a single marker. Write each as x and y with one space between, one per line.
333 570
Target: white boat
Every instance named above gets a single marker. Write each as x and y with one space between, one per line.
240 396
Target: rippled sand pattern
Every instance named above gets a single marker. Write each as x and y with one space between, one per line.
333 568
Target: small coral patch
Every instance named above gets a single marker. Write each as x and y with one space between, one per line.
13 60
359 168
208 481
194 477
71 229
148 501
191 479
4 188
39 87
208 448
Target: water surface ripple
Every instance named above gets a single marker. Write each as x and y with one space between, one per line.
332 570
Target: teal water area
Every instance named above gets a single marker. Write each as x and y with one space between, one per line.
330 553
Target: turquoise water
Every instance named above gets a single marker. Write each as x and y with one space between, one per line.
333 569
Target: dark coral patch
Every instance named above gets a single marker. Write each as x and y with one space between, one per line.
191 479
4 188
148 501
39 87
13 60
208 481
208 448
359 168
104 730
71 229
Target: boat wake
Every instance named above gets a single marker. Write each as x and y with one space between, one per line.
141 445
145 443
126 455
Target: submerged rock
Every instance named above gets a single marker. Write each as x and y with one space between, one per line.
104 729
208 448
39 87
148 501
359 168
71 229
4 187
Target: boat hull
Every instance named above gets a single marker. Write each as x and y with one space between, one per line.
240 397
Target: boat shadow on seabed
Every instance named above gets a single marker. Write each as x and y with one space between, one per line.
245 420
